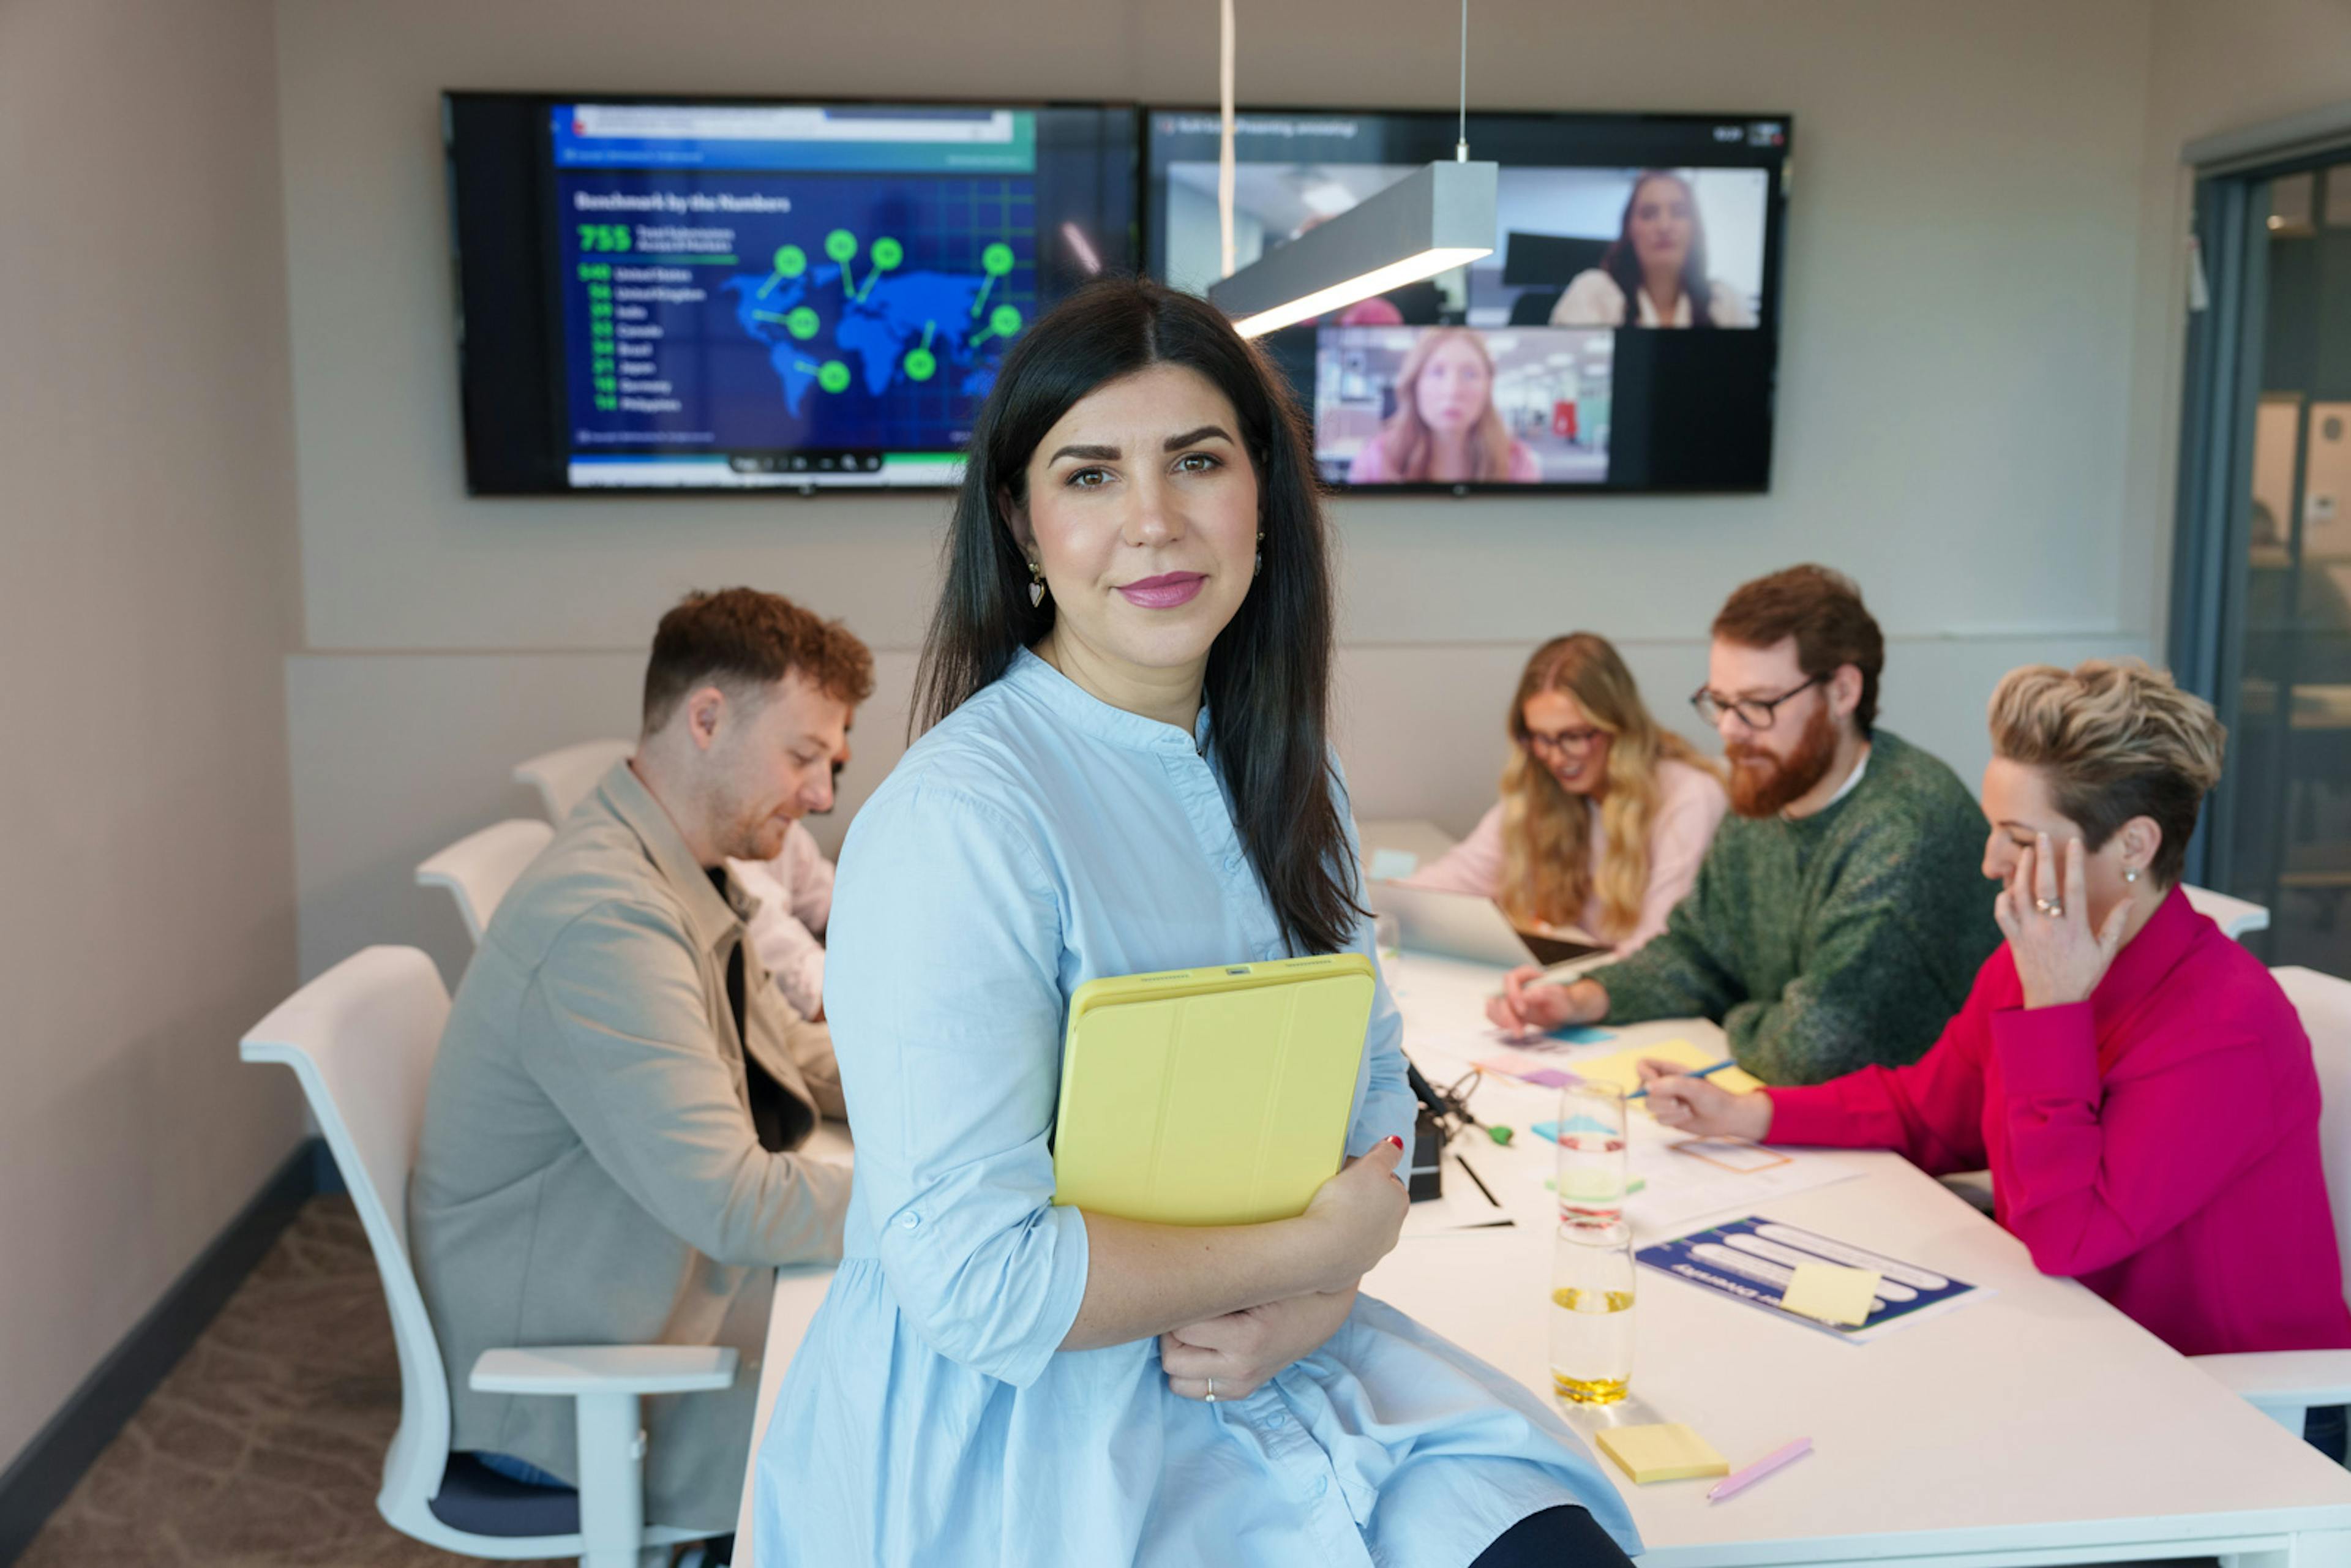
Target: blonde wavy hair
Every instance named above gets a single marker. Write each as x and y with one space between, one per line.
2115 739
1405 441
1547 874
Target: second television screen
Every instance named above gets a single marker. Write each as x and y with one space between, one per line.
1623 336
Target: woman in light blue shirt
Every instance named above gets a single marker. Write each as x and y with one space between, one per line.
1126 769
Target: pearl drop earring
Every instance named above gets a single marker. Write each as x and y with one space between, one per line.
2130 873
1036 585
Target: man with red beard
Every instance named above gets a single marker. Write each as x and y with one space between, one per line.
1839 917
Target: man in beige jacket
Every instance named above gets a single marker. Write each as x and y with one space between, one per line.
607 1156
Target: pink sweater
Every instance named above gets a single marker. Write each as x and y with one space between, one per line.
1690 803
2159 1142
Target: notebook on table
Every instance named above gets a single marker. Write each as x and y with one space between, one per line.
1214 1096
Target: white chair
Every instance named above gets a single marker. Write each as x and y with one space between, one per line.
2285 1385
564 777
361 1040
479 868
2238 918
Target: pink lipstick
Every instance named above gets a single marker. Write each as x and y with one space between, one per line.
1166 592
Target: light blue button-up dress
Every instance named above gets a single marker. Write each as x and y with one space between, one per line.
1037 840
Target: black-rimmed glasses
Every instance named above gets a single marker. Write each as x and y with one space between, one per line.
1755 712
1566 743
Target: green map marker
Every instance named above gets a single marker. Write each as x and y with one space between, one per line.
841 245
920 364
995 261
888 253
833 376
1002 322
790 262
802 322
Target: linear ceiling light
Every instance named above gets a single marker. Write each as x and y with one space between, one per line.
1433 220
1436 218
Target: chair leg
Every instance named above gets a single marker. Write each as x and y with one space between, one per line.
611 1481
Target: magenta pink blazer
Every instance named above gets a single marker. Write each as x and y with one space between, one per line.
2159 1141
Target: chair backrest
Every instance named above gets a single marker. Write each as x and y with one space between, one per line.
564 777
2325 1004
361 1040
2238 918
479 868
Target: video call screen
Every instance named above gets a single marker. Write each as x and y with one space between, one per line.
1623 336
730 295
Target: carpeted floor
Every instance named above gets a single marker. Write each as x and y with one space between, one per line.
264 1447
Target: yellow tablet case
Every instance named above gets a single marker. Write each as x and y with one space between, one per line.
1215 1096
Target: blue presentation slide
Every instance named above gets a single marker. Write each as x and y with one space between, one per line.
721 310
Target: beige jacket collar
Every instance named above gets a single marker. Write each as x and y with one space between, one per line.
718 921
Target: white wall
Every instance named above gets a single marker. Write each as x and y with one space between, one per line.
146 602
1957 393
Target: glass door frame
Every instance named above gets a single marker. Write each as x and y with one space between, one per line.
2220 400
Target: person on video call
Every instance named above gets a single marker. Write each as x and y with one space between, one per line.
1446 429
1660 261
1604 817
1834 922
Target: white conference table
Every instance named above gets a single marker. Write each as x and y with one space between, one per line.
2038 1425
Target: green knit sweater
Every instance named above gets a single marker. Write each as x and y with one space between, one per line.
1825 945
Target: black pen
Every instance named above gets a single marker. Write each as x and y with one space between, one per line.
1481 1185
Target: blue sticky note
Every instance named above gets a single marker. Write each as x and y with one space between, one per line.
1393 865
1583 1034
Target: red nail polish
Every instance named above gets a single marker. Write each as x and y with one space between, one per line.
1397 1142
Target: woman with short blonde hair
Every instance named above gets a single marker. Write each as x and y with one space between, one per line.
1604 817
2082 1068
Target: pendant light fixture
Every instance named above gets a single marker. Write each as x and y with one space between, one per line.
1433 220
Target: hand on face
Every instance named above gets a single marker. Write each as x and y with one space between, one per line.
2045 912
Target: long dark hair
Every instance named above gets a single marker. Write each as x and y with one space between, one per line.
1268 670
1623 263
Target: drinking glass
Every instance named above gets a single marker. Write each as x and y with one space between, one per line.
1591 1174
1592 1311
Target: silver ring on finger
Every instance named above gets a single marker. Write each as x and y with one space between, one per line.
1212 1391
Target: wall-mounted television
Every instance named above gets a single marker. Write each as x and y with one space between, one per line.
1624 335
723 294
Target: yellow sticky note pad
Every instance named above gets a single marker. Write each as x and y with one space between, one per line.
1624 1067
1667 1452
1832 1292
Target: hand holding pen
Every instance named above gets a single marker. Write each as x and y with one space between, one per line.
1687 1103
